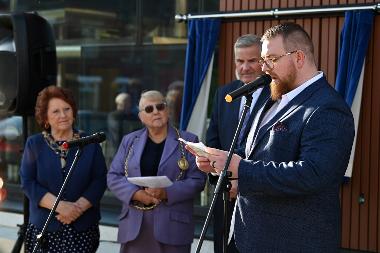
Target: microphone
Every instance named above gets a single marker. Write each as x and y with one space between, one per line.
94 138
248 88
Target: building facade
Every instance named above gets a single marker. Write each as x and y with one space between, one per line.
108 47
105 48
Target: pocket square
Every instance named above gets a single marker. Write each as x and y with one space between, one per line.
280 127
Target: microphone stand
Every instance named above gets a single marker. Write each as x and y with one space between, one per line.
40 237
224 182
22 231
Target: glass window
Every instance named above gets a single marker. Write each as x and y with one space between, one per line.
158 23
105 48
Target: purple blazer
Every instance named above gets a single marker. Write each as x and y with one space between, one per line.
173 220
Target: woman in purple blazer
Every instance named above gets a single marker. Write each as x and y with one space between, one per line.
155 219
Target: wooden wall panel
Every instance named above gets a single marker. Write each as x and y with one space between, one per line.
365 163
373 176
360 221
374 202
245 24
252 4
324 46
315 37
229 56
222 53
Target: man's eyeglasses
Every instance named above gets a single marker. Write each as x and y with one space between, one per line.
272 60
150 108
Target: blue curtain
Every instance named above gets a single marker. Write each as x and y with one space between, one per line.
202 37
354 40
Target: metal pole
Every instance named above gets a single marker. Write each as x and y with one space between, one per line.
279 12
22 231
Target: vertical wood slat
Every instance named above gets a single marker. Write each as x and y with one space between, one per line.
230 41
308 3
245 24
292 3
245 4
222 53
236 34
373 198
268 4
259 28
324 46
252 4
222 5
222 44
374 216
332 47
317 3
237 5
315 31
283 3
346 189
355 185
360 223
364 173
228 59
260 4
229 5
275 4
353 205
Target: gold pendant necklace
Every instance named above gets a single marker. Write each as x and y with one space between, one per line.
183 164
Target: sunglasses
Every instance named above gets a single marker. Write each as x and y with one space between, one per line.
150 108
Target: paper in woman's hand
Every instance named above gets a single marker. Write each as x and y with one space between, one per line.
198 148
151 182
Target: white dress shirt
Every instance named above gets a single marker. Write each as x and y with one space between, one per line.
276 107
255 97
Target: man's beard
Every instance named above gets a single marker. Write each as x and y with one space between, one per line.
277 90
283 86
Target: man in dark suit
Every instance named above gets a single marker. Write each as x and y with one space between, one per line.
225 118
297 152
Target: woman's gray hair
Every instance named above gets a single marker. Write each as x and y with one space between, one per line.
150 95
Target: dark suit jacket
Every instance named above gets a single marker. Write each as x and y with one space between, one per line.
220 133
289 187
225 117
40 172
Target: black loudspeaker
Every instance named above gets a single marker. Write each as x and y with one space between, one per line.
28 61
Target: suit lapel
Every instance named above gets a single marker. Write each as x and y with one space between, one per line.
171 145
234 107
138 148
264 95
288 109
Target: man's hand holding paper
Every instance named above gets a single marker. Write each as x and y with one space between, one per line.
197 149
212 160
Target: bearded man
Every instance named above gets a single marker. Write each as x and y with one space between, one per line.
296 153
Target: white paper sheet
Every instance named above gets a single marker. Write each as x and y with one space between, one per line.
198 148
151 182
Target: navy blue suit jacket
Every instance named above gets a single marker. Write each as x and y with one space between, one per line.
289 187
220 133
41 173
225 117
